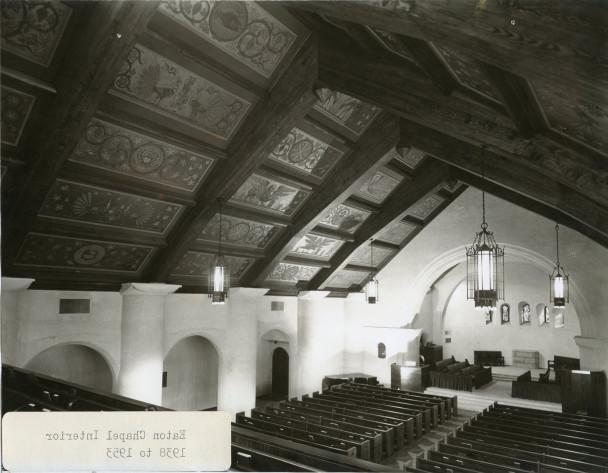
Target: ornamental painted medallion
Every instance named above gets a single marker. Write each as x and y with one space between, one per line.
239 232
16 108
123 151
345 110
292 273
196 264
378 186
306 153
411 157
33 29
423 208
161 85
397 232
267 194
72 253
244 30
345 218
317 246
71 201
345 278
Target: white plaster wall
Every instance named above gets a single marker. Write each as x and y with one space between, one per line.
9 326
469 332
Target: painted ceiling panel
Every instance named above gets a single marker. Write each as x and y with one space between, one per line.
125 152
16 108
292 273
345 218
269 194
77 202
392 43
346 111
239 232
423 208
167 88
468 72
244 30
379 186
33 29
397 232
196 264
346 278
317 246
304 152
47 251
363 256
411 157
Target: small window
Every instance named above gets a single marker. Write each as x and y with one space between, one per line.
381 350
164 379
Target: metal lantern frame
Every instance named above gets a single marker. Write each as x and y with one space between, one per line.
372 287
559 300
219 273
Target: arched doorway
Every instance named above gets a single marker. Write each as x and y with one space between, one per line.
190 375
280 373
74 363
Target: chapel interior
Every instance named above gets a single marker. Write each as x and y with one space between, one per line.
373 232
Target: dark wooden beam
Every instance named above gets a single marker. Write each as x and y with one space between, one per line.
90 65
346 177
427 179
505 34
585 215
520 99
331 233
273 117
306 261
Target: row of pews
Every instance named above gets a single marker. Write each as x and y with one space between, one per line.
514 439
358 421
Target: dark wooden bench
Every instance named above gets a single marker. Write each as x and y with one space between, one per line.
488 358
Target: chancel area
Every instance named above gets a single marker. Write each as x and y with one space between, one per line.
375 232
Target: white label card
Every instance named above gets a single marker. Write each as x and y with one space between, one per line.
116 441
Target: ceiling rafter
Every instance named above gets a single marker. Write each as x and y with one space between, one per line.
273 117
346 177
88 69
427 179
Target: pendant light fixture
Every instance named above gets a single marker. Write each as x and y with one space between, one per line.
219 273
371 288
559 285
485 262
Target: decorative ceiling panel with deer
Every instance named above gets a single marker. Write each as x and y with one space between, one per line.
316 246
379 186
269 194
396 232
16 108
424 207
47 251
78 202
32 29
123 151
239 231
195 264
292 273
303 152
345 278
345 218
363 257
165 87
244 30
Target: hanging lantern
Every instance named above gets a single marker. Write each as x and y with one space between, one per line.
559 286
371 288
219 273
485 265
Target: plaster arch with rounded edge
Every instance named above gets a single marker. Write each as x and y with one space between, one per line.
104 354
278 338
454 257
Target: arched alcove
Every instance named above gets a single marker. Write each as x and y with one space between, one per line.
268 344
191 368
75 363
280 373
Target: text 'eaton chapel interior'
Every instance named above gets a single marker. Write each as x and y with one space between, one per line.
375 232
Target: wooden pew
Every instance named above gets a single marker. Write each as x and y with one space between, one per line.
317 458
351 415
422 419
472 464
375 440
344 447
572 419
247 459
388 431
409 422
431 411
441 404
439 467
